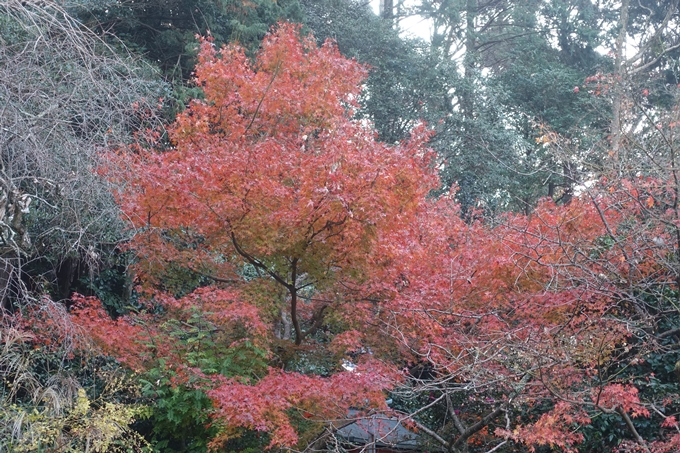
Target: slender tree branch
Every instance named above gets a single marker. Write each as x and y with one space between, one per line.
657 33
478 426
257 263
431 433
293 302
266 90
631 428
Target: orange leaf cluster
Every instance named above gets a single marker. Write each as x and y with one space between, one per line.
270 179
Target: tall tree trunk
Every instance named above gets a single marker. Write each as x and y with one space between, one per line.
467 99
619 73
569 174
387 9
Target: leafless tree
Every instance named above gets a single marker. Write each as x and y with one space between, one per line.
66 96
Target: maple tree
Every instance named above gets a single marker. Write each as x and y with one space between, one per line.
535 330
270 168
558 328
278 200
307 241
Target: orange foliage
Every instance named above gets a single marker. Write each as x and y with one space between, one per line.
270 170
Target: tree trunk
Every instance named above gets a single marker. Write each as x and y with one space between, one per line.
619 69
467 99
387 9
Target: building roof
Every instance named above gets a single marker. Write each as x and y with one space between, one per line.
384 430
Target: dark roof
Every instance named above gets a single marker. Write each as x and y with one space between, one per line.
384 430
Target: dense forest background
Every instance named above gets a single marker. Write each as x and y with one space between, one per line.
220 231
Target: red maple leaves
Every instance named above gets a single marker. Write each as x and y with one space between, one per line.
268 173
296 216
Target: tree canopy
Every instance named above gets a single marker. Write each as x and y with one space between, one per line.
225 231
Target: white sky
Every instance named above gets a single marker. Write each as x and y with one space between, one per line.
415 26
419 27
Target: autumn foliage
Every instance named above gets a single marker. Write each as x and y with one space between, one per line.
272 193
308 241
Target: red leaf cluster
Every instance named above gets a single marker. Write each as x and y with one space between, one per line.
271 175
